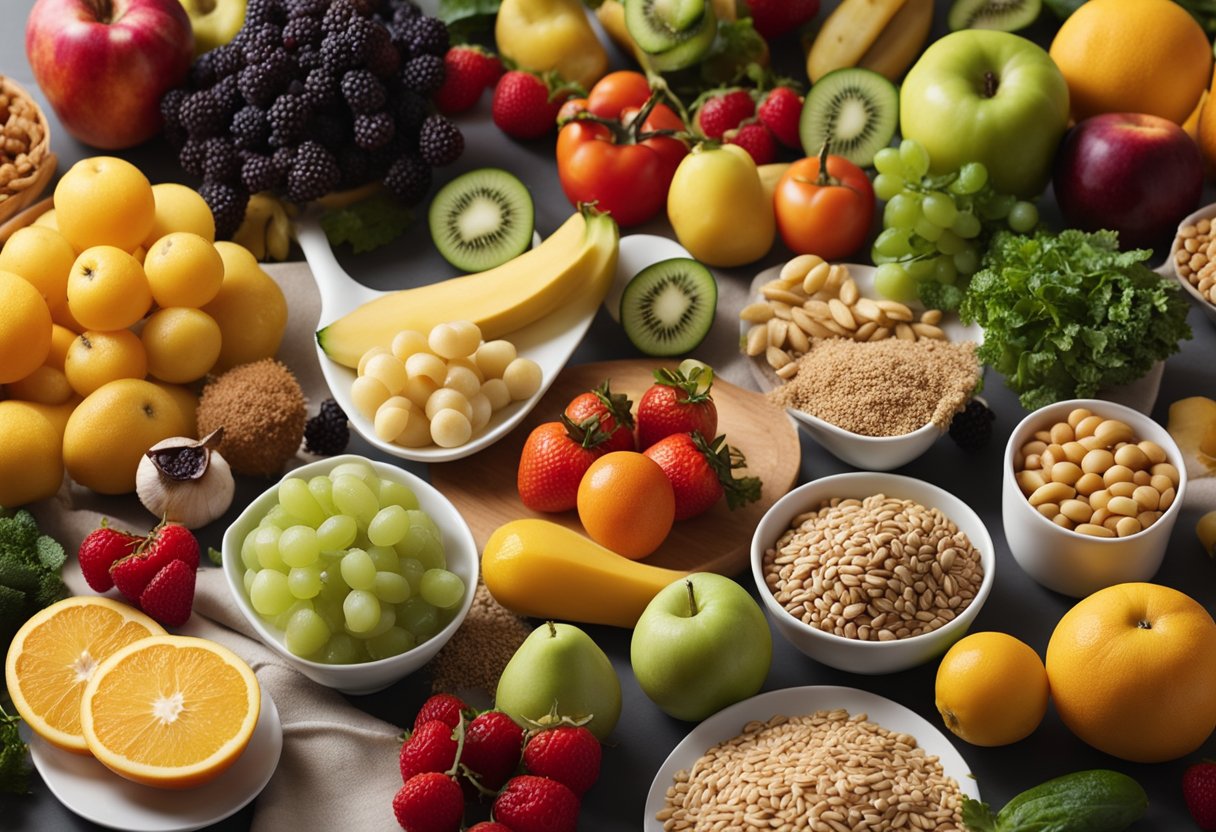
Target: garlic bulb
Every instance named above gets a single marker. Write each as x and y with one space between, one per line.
185 480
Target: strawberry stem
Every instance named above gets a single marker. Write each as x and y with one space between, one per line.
587 433
618 404
722 460
695 382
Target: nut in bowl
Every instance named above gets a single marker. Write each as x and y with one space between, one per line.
1089 494
856 607
1192 258
354 571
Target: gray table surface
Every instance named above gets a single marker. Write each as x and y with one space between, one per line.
645 735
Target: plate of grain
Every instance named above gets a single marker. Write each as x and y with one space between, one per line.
789 758
874 381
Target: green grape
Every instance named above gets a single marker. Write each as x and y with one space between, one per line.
893 242
388 526
939 209
929 230
385 558
295 497
337 532
388 618
298 546
998 207
250 574
891 281
341 649
1023 217
280 620
887 161
413 570
950 243
419 617
887 185
306 633
944 270
269 593
304 581
972 177
331 612
915 159
442 588
392 642
267 545
966 225
353 497
321 489
281 517
358 571
967 261
920 270
358 469
361 611
902 211
431 554
397 494
249 551
391 587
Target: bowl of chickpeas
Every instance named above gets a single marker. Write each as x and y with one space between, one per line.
1192 258
1090 492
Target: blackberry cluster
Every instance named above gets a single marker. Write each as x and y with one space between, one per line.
327 433
313 95
971 428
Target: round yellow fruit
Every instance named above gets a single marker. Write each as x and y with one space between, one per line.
107 289
97 358
991 689
61 342
179 208
250 310
47 220
43 257
110 431
25 328
1132 670
46 385
104 200
183 269
31 460
182 344
187 403
63 317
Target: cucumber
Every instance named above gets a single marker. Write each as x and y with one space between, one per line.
1084 801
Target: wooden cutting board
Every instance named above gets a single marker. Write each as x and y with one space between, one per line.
482 487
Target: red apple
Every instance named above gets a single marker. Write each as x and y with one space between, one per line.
104 64
1130 172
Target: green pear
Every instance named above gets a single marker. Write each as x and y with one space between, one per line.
215 22
560 673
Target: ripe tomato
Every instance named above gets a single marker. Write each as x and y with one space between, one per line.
616 91
824 206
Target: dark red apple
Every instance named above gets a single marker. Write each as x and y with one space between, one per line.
1133 173
104 64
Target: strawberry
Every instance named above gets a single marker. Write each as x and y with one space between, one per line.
701 472
553 461
773 18
677 402
756 139
537 804
165 543
1199 792
468 70
781 112
614 410
430 748
492 747
569 755
525 105
169 596
429 802
98 552
490 826
722 110
444 707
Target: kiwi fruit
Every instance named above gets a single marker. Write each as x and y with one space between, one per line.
690 50
668 308
482 219
855 109
661 25
1002 15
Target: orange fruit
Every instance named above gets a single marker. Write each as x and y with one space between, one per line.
179 208
170 711
57 651
43 257
31 455
25 328
991 689
626 503
1205 128
1133 56
46 385
107 289
1132 669
104 200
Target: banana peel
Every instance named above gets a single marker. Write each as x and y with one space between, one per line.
266 229
885 36
1192 425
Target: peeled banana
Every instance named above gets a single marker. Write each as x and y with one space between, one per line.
266 229
883 35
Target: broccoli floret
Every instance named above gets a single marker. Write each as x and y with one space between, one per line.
18 535
19 575
50 589
50 553
29 571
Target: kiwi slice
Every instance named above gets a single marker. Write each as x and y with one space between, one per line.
691 50
1002 15
482 219
855 109
668 307
661 25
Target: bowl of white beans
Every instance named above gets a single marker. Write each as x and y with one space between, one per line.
1090 492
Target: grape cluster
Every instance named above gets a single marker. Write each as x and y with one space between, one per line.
313 96
934 226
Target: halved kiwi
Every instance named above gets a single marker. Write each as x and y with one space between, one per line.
855 109
661 25
482 219
691 50
1002 15
668 307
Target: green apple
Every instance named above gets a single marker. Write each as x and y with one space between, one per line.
701 644
985 96
560 673
215 22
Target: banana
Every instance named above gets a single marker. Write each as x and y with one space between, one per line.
266 229
579 257
901 40
856 26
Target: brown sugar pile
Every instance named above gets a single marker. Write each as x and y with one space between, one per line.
261 408
475 656
882 388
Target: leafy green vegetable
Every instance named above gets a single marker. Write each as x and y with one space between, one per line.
466 18
935 295
1098 800
1064 315
29 571
368 224
14 766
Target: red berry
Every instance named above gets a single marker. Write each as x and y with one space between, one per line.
781 112
677 403
490 826
1199 792
525 106
614 410
98 552
565 754
431 748
553 461
702 470
773 18
429 802
468 70
492 746
169 596
166 543
537 804
723 110
757 140
442 706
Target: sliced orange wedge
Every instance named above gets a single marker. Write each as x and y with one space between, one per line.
170 711
55 653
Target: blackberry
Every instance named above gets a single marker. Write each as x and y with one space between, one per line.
382 57
423 74
202 71
327 433
203 115
314 173
330 129
228 95
403 13
409 179
287 117
193 157
362 91
306 8
338 16
264 42
320 87
300 32
427 36
971 428
227 61
336 53
170 105
227 203
375 130
260 173
221 163
249 127
359 38
309 58
440 141
284 157
259 12
260 83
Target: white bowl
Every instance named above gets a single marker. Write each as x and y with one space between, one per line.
371 676
1167 268
1069 562
855 655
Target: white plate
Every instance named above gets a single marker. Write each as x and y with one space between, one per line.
729 722
97 794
